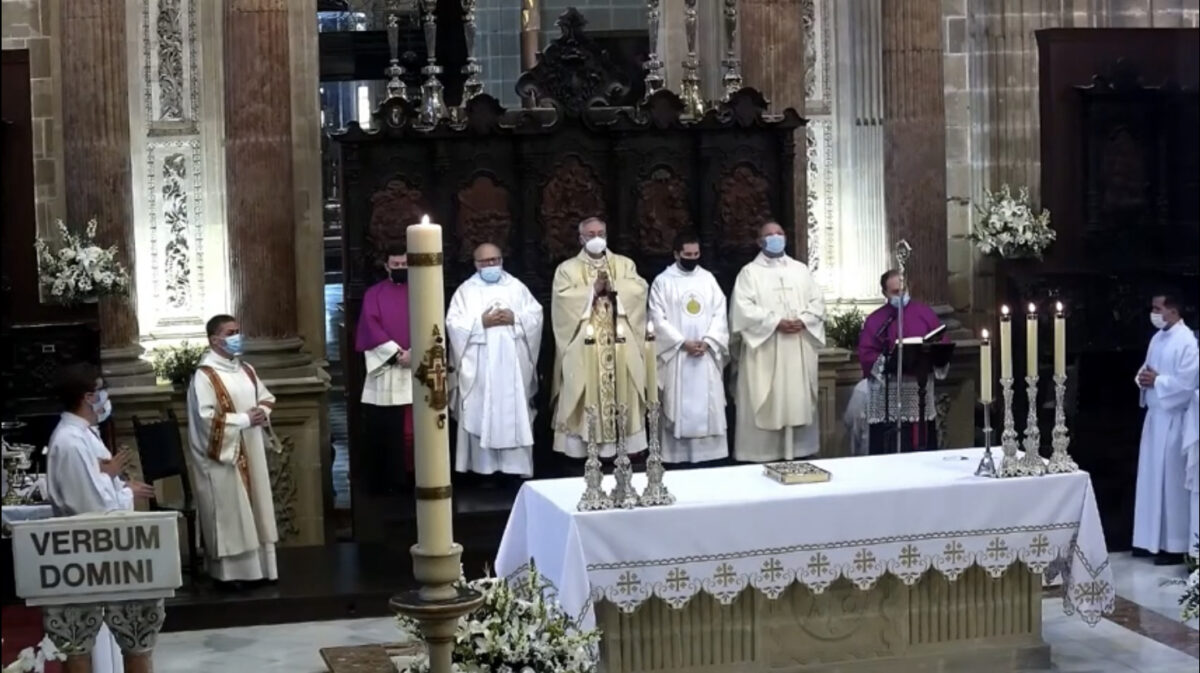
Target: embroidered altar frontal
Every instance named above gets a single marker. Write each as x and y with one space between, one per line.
899 562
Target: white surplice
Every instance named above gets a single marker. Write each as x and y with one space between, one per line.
689 306
1161 509
495 375
776 395
386 383
229 470
76 485
1191 457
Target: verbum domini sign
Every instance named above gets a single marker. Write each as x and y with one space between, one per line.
97 558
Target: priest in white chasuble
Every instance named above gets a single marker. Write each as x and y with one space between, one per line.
598 311
691 329
229 410
1167 383
495 330
777 319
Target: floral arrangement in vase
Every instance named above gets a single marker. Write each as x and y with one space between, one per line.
33 659
176 363
520 628
1009 227
79 271
1189 601
844 328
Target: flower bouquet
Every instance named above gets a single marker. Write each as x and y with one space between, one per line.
79 270
520 628
1189 602
1009 227
177 363
33 660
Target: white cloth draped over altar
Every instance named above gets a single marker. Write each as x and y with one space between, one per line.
733 527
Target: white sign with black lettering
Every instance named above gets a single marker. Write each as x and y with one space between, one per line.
94 558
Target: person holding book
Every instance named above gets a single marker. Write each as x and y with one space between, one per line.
876 343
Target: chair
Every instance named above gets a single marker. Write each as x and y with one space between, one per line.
161 451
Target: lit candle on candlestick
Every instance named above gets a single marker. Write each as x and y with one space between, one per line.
985 368
619 369
592 364
1060 341
651 366
1031 341
435 532
1005 343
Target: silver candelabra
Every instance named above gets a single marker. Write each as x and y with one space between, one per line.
1060 438
472 87
987 465
623 495
1009 465
1032 464
433 107
594 498
395 85
654 64
656 492
693 103
731 80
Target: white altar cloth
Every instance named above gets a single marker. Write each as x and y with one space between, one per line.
733 526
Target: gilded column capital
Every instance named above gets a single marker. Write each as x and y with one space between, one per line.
135 624
73 628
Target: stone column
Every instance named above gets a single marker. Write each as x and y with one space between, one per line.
772 50
72 629
97 172
135 626
914 134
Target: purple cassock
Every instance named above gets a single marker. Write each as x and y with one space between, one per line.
875 338
384 316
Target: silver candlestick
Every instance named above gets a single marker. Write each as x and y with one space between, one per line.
472 87
732 79
656 492
987 465
623 495
594 498
654 65
693 103
1010 465
1060 438
433 108
1032 463
395 85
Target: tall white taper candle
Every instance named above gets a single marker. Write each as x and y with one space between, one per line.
1005 343
651 362
1060 340
1031 341
431 428
985 368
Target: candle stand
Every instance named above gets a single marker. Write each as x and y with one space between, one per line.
623 495
1060 461
594 498
1032 464
1009 465
987 465
656 493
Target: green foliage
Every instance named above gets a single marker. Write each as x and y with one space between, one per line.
843 328
176 363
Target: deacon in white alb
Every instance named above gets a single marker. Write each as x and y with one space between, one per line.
228 409
1168 382
691 326
778 322
495 330
82 476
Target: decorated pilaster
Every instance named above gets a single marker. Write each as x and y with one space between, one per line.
72 629
97 170
135 626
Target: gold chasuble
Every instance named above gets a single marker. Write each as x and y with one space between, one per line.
608 374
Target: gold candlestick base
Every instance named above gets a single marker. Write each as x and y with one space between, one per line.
1060 461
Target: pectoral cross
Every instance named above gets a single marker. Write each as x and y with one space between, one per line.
786 294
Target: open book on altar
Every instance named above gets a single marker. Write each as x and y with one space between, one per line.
928 338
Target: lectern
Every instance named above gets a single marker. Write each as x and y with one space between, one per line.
920 360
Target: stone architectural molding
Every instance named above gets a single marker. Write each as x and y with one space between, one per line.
73 628
135 624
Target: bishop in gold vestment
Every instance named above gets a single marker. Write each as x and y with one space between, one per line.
608 373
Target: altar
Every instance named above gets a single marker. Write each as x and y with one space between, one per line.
898 557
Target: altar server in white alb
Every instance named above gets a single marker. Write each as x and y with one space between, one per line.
495 329
691 326
1167 382
229 409
777 320
1191 453
83 477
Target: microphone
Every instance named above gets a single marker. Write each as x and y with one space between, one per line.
883 328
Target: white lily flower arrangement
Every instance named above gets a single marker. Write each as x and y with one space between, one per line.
79 270
33 660
520 628
1009 227
1189 601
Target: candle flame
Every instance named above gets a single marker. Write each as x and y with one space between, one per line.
1032 308
425 219
650 328
1058 307
620 331
590 332
1004 310
985 335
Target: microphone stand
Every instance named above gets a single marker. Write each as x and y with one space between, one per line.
903 251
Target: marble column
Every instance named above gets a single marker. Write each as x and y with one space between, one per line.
772 51
914 136
97 173
259 184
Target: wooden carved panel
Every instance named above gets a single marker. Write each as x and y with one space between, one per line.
572 193
483 216
394 207
662 211
573 73
743 206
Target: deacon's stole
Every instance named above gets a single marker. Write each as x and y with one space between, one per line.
225 406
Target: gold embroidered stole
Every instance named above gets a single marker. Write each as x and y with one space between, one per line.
602 327
225 406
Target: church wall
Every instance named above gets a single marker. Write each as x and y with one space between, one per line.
32 25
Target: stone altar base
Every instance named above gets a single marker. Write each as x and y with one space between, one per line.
974 624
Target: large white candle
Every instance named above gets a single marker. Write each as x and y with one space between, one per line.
427 324
985 368
592 365
1005 343
651 366
1060 341
622 374
1031 341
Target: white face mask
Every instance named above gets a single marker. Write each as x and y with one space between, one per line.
102 407
596 246
1158 320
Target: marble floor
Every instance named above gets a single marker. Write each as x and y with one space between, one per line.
1143 636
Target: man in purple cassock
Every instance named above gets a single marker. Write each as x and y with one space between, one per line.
383 339
880 332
